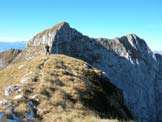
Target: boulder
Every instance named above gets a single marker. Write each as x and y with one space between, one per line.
3 102
12 89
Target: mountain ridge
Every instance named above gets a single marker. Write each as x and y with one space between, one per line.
128 61
59 88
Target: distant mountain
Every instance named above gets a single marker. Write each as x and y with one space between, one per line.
6 57
8 45
159 52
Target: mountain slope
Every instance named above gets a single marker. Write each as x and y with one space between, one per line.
128 62
59 88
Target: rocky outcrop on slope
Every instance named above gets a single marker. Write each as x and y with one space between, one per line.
7 57
59 88
128 62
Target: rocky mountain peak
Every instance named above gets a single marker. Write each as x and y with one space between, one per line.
58 27
46 37
132 36
65 24
128 61
136 42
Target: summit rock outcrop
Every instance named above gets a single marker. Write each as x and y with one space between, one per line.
128 61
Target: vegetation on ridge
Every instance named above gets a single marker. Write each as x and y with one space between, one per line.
63 89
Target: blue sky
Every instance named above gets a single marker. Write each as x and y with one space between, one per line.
22 19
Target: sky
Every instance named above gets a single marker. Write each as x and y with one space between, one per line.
20 20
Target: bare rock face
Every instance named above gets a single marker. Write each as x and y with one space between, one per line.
158 88
7 57
127 61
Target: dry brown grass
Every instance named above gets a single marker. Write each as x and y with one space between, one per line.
64 89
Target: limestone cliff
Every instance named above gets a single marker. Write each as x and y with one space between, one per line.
128 62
